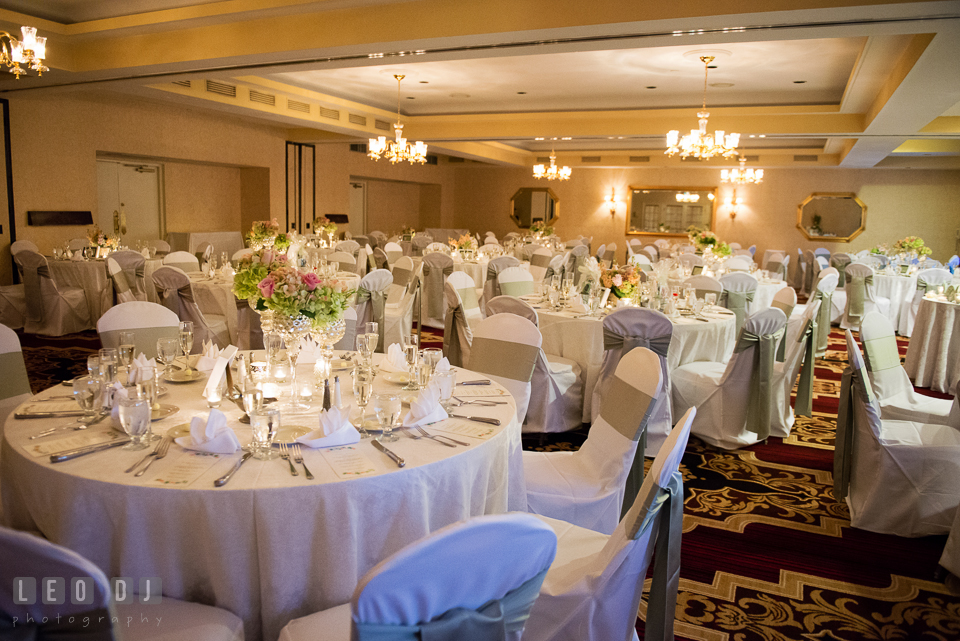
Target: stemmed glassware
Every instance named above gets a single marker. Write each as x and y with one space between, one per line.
431 356
363 390
373 336
128 348
167 350
88 392
387 407
109 361
135 419
363 348
411 353
186 344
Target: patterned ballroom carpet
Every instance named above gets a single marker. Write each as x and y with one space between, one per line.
767 553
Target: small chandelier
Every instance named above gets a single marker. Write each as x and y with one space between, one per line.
397 150
741 176
29 52
698 143
552 172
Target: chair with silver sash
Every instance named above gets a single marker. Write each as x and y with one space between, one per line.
590 487
13 302
595 585
78 244
505 347
652 252
825 290
160 247
798 273
776 263
419 244
539 262
491 285
704 285
348 246
577 259
345 261
175 292
927 281
96 617
892 388
739 290
15 384
372 302
839 261
609 255
50 310
18 246
515 281
556 266
734 400
126 269
474 580
691 260
436 269
184 261
380 259
786 301
799 352
510 305
401 299
812 269
460 317
148 321
240 254
394 251
861 297
897 477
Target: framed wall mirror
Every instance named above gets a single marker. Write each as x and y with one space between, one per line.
531 204
668 211
832 217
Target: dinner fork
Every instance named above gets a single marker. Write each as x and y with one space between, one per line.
158 454
439 436
285 455
477 402
298 457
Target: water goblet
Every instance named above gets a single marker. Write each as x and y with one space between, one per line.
167 350
127 350
432 356
109 360
363 390
88 392
135 419
264 423
387 408
554 295
446 379
710 298
186 344
93 365
411 354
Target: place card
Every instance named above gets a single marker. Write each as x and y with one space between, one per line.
188 468
464 428
347 461
75 440
470 391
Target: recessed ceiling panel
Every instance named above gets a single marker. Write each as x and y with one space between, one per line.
73 11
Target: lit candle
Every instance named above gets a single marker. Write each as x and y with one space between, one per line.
271 390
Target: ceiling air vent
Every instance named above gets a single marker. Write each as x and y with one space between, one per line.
691 159
358 120
221 88
182 83
431 159
752 158
543 159
296 105
639 158
589 158
333 114
381 124
262 98
806 158
454 159
359 146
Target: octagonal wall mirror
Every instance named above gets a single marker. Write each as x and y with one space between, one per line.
669 211
531 204
832 217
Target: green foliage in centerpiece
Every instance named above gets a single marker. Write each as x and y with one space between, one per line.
282 242
324 225
540 227
262 230
464 242
704 240
910 245
99 239
622 280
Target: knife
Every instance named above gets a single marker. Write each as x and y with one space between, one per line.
72 454
396 459
481 382
479 419
220 482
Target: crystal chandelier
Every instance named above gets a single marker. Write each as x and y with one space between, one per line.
552 172
698 143
29 52
741 176
397 150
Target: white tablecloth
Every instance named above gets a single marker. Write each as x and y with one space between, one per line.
581 340
268 547
763 297
897 289
89 275
933 357
222 241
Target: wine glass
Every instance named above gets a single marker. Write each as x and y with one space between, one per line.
88 392
147 384
431 356
186 344
135 419
446 380
373 335
363 390
167 350
93 365
554 296
387 408
710 298
363 348
128 348
411 353
109 360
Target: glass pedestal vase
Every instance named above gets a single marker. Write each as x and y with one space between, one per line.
329 334
292 329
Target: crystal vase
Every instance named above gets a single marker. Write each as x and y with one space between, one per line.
328 335
292 329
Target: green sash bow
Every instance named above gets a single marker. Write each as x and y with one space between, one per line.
540 260
856 297
803 406
516 288
761 391
852 382
378 302
787 309
840 262
881 353
435 277
736 302
628 410
823 321
776 267
402 276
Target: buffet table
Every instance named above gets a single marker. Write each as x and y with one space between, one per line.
268 546
933 356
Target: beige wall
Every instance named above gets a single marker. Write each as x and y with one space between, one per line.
899 203
201 197
391 205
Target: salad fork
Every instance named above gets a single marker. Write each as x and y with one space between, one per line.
298 457
437 437
158 454
285 455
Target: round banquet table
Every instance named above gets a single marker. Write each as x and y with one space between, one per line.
580 338
933 356
269 547
898 289
90 276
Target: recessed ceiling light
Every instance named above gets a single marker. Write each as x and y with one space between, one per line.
566 138
424 82
540 138
799 82
752 136
521 93
651 87
721 85
763 135
459 95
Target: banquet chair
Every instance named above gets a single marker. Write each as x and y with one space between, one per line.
175 291
743 253
436 268
23 554
839 261
419 243
240 254
799 352
897 477
810 275
735 245
349 340
610 255
436 247
591 487
661 243
13 303
578 258
527 251
512 305
380 237
204 253
126 268
734 401
515 281
76 244
785 300
148 321
15 385
687 249
824 292
345 261
18 246
927 281
600 251
372 302
860 296
557 266
460 318
184 261
394 251
348 246
624 330
752 249
642 261
161 247
539 262
822 251
398 311
822 261
877 261
895 394
691 260
491 286
739 290
777 262
736 264
704 285
50 310
798 273
380 259
652 252
404 273
472 580
594 587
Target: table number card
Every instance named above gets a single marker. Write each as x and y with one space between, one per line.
219 368
464 428
347 461
188 468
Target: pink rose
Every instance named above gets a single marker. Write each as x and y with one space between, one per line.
617 280
311 280
266 287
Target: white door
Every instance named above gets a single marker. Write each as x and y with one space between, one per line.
132 190
358 208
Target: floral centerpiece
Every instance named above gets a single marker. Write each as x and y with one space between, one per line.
911 245
282 241
705 239
542 228
591 271
408 233
99 239
465 242
263 233
622 281
325 226
880 249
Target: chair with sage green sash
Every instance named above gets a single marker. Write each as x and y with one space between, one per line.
704 285
515 281
578 258
927 281
600 251
777 263
609 255
51 310
588 488
896 396
897 477
539 262
474 580
404 275
148 321
345 262
23 554
176 293
398 313
491 286
785 300
812 269
799 352
594 587
861 297
372 302
126 270
652 252
184 261
436 269
505 347
557 265
825 291
839 261
739 290
461 316
734 400
394 251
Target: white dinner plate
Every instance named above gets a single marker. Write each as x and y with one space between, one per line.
395 377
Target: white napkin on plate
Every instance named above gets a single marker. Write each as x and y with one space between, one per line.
443 365
394 360
577 306
335 429
140 362
208 356
210 435
426 408
309 351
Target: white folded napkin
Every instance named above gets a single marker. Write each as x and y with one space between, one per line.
335 429
208 357
394 360
139 362
577 306
77 255
210 435
426 409
145 253
443 365
309 351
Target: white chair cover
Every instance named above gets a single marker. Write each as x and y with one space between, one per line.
394 252
404 278
13 304
799 350
515 281
927 280
687 249
898 477
505 347
349 340
822 251
896 396
734 400
491 286
652 252
825 291
345 262
777 262
600 252
594 587
204 252
511 305
419 243
380 259
739 290
704 285
18 246
839 261
736 264
398 315
785 300
148 321
126 269
812 268
587 487
735 245
661 243
610 254
76 244
578 258
14 384
436 247
50 310
161 246
372 302
347 246
557 266
691 260
176 292
184 261
798 273
436 269
539 262
861 297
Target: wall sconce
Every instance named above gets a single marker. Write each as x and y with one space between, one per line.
734 203
613 200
